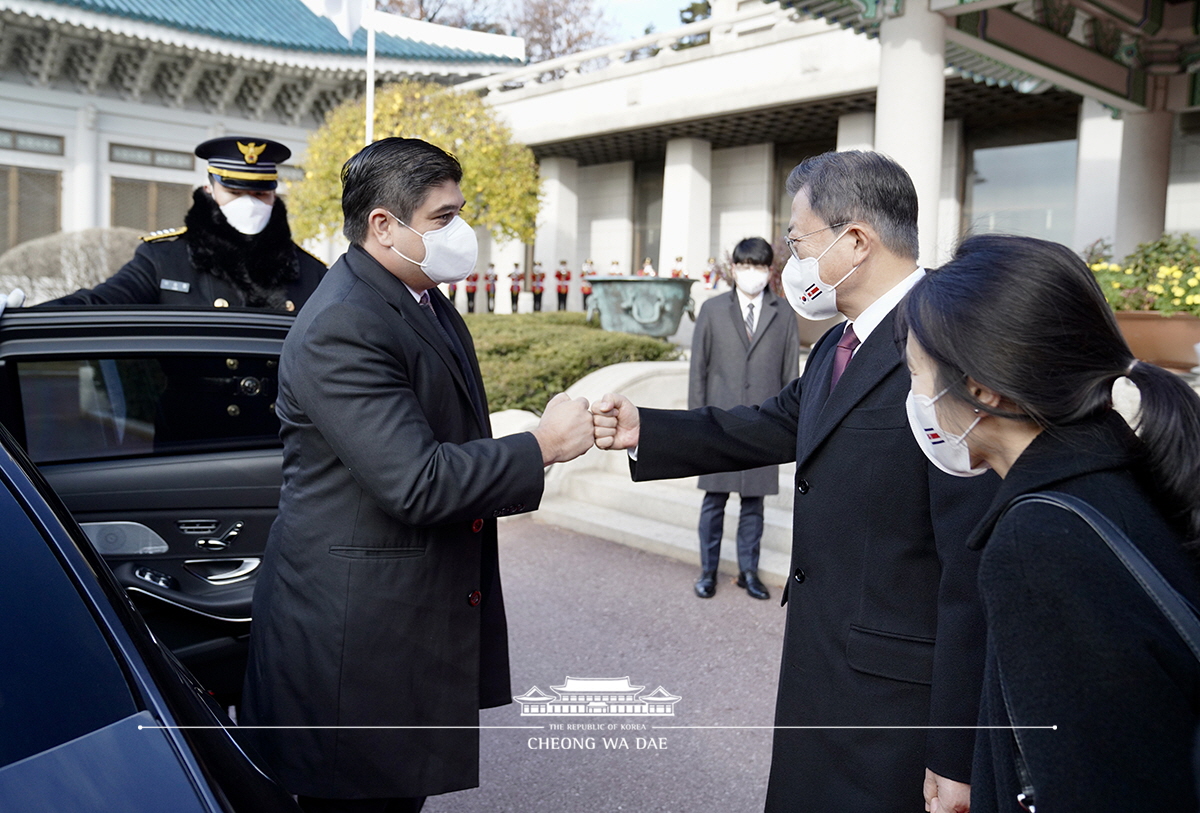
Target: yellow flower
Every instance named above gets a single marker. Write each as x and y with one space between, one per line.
1175 289
1176 301
1193 282
1116 285
1129 271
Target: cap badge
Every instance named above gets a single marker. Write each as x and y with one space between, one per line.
251 151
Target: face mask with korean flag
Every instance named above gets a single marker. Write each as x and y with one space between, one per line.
805 292
948 452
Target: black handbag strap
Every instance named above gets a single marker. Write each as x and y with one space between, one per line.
1177 609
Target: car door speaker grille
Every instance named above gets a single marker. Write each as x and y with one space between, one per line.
198 527
123 538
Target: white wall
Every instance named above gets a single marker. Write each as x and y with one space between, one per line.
605 194
742 186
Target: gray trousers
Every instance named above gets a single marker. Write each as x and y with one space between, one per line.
712 524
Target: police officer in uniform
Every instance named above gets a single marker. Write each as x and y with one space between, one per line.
235 248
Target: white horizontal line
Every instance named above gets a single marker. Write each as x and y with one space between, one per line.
314 727
873 727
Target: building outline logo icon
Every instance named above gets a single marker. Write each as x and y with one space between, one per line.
597 697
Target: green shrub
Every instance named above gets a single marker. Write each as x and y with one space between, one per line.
528 358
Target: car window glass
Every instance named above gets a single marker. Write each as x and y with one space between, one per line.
60 679
90 408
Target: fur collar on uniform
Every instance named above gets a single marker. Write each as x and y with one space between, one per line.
260 265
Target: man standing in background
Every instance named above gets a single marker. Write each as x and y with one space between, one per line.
745 348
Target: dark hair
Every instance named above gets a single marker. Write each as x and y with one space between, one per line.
867 187
1026 318
394 174
753 251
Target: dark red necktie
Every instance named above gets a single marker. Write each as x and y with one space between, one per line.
842 354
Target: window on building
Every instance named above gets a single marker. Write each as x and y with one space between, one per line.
647 212
1026 189
31 142
149 157
149 205
30 201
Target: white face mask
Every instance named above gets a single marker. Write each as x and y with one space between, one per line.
948 452
751 280
805 292
247 214
450 252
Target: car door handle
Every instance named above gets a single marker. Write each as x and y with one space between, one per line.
222 571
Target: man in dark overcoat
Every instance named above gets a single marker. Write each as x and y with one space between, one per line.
235 248
883 648
745 348
379 628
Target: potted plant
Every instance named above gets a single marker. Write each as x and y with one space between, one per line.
1155 294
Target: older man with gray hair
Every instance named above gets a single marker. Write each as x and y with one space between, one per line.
883 648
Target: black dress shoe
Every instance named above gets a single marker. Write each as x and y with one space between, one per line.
749 580
706 585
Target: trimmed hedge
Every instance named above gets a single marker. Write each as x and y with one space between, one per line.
528 358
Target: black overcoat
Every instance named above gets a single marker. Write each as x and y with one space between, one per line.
1081 645
884 626
379 602
161 272
729 369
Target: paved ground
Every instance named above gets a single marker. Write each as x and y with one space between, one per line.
586 607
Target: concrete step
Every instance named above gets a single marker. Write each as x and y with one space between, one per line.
653 535
676 503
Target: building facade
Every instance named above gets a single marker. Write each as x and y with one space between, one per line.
1067 120
103 104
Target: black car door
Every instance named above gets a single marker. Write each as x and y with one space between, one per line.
157 429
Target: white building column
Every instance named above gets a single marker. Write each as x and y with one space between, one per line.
1097 175
687 205
950 205
558 224
85 171
1145 169
909 107
856 131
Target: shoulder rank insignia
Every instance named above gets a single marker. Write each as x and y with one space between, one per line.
251 151
163 234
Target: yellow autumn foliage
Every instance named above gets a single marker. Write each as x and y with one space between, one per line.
500 176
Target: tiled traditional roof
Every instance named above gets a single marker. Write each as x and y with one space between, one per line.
284 24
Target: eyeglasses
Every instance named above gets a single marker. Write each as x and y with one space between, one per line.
791 241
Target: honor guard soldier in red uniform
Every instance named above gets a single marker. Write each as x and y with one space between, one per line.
585 284
515 278
563 275
677 269
235 248
489 286
452 293
647 269
539 285
472 283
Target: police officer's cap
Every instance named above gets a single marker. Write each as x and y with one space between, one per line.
241 162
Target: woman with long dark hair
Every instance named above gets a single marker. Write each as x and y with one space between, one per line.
1013 353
